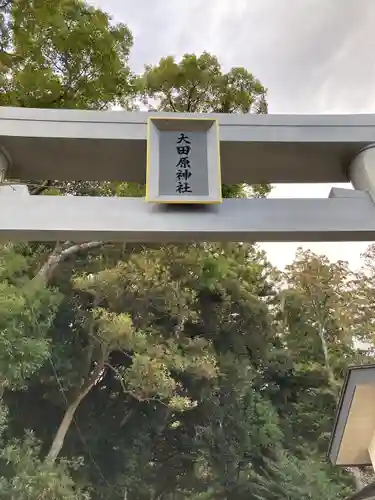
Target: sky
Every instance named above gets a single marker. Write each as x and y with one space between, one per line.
313 56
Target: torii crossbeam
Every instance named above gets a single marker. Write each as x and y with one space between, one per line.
43 144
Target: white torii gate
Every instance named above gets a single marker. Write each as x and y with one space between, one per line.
44 144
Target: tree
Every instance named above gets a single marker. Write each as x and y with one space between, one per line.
197 84
26 313
322 294
150 342
364 304
319 307
211 446
53 54
297 479
62 54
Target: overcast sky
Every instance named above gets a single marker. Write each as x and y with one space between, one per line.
313 56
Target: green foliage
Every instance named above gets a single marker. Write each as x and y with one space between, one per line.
315 320
62 53
26 314
198 85
204 377
24 476
297 479
362 309
242 431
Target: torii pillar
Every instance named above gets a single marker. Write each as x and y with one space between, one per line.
362 170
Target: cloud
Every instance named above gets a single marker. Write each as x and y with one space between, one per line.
314 56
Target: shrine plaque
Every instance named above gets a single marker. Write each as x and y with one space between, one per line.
183 161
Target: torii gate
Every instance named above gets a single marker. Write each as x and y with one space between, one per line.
103 146
45 144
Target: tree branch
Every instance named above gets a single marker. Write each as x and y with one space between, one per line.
171 103
60 435
190 98
127 417
41 188
129 393
60 255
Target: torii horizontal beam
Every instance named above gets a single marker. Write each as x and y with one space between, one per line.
348 217
91 145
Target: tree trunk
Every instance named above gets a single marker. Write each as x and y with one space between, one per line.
58 441
61 254
331 376
64 426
